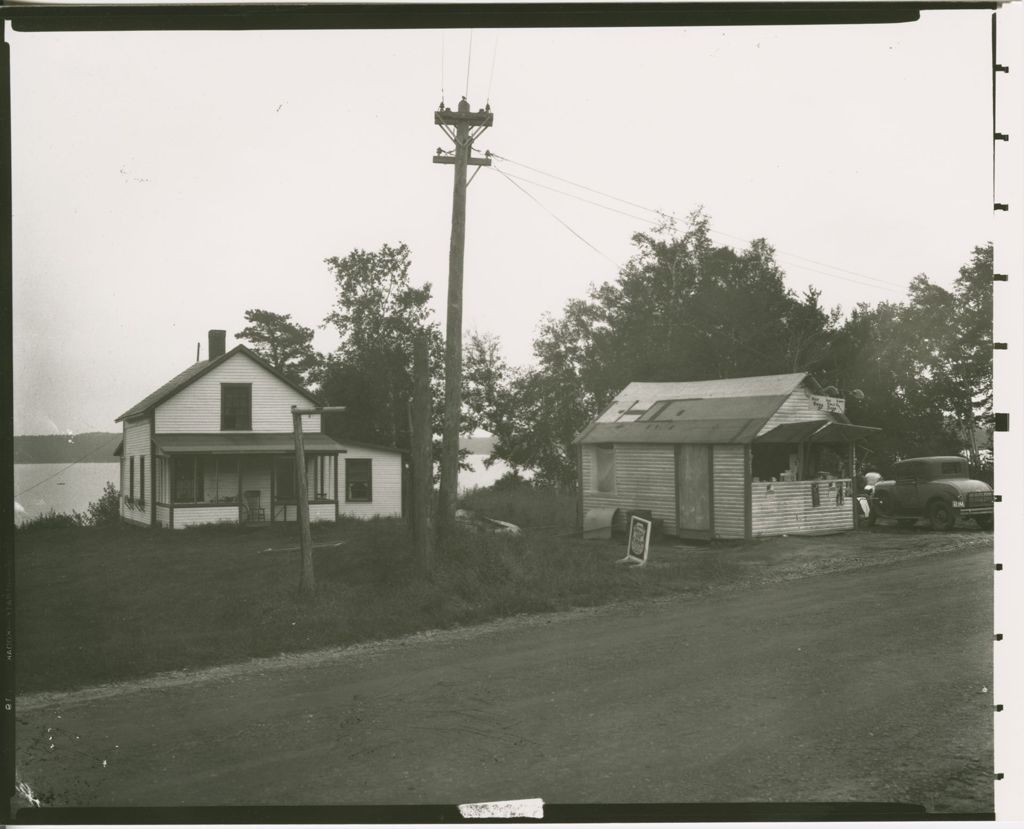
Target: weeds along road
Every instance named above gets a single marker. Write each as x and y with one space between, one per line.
869 685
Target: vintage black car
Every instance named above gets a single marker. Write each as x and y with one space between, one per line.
939 489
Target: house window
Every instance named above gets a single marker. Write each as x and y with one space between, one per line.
188 486
206 479
603 479
131 478
284 479
358 480
236 407
142 481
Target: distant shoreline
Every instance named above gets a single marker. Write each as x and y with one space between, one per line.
98 447
87 447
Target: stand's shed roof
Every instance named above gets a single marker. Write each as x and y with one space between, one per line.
731 410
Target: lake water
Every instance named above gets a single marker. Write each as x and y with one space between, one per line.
40 487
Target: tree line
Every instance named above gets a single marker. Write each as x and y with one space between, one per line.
682 308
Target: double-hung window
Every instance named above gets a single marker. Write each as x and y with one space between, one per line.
236 407
358 480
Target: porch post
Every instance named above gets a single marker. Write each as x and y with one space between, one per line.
748 494
273 474
240 488
336 498
307 584
170 492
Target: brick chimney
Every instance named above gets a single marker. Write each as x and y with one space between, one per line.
216 347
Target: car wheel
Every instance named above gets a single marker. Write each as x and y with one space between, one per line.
906 523
941 515
872 517
984 521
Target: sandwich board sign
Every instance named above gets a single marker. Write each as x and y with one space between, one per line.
638 541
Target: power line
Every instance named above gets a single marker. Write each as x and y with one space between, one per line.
874 281
576 184
557 218
494 58
574 196
667 215
469 61
59 471
442 66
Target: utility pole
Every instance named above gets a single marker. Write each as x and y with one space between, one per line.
307 581
462 127
422 461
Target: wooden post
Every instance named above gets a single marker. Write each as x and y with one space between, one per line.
307 582
422 460
462 121
855 505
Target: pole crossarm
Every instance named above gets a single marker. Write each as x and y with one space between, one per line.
473 162
317 410
480 118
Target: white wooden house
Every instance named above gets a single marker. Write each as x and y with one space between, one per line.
734 458
215 445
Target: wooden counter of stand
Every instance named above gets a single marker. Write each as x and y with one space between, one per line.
788 507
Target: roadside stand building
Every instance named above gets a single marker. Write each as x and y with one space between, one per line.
735 458
215 444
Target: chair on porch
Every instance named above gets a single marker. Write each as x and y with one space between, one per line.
254 511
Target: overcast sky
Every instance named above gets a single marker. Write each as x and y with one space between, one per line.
166 182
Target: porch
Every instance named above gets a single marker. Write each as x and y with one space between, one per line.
242 487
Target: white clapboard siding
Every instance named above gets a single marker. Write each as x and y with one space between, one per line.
645 478
196 408
190 516
787 508
386 471
729 501
136 444
317 512
321 512
797 407
163 516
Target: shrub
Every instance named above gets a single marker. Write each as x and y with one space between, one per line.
524 504
54 520
106 510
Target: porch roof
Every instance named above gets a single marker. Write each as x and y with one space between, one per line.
243 443
816 431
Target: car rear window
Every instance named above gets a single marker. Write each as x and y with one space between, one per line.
953 468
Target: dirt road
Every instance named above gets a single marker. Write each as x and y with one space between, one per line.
870 685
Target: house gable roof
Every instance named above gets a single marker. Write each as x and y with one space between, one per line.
732 410
197 370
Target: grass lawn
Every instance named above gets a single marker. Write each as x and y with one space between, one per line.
95 605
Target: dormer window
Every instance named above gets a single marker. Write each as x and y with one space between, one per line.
236 407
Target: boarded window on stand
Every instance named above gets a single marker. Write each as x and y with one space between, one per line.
604 468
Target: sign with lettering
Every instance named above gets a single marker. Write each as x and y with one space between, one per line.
828 404
638 540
